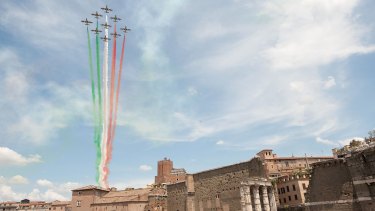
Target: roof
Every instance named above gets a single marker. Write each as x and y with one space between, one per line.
9 202
60 203
299 158
91 187
136 195
265 150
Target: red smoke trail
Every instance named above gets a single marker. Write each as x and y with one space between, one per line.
109 132
118 86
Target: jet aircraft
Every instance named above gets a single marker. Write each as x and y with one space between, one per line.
106 9
96 31
106 25
115 19
115 34
125 29
87 22
97 15
105 38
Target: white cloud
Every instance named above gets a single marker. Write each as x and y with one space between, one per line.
347 141
192 91
238 70
10 157
274 140
47 191
28 116
7 194
41 23
331 82
145 168
18 179
338 143
2 180
221 142
326 141
314 33
44 183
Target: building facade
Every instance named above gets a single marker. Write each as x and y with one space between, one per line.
292 189
167 174
242 186
92 198
282 166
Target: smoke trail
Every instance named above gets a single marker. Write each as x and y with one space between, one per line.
105 109
98 148
109 132
118 85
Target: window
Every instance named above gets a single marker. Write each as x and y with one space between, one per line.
278 190
304 186
287 188
78 203
295 197
290 198
294 188
284 200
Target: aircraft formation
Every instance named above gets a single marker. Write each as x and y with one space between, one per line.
105 87
115 19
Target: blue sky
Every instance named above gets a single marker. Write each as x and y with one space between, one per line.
205 83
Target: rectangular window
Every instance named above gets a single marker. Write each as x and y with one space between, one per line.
294 188
78 203
295 197
290 198
284 200
278 190
287 188
304 186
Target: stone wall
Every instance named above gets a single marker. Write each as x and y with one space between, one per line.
344 184
220 188
361 166
177 196
215 189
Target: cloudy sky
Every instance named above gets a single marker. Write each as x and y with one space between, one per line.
205 83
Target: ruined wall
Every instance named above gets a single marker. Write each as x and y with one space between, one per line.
215 189
220 188
344 184
330 182
361 166
177 196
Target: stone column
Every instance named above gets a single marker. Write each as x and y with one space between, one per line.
272 199
248 199
257 205
266 204
243 200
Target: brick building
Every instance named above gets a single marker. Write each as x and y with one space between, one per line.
92 198
281 166
167 174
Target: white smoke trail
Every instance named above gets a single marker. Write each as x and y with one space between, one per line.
105 108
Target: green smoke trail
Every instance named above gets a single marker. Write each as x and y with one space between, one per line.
92 81
100 114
